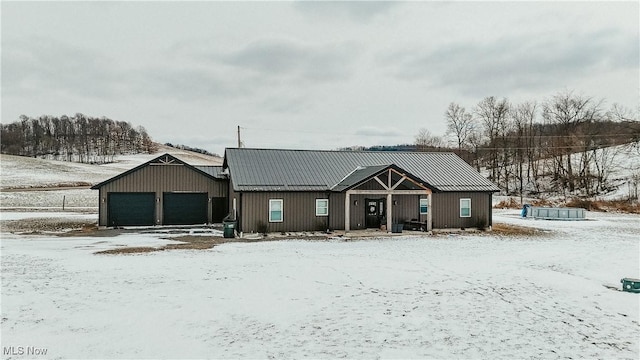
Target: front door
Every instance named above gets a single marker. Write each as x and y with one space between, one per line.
374 212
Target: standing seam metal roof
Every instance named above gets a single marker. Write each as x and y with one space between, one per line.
213 170
313 170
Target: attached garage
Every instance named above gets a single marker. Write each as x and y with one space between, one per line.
184 208
164 191
131 209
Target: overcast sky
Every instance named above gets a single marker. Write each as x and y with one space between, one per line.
308 75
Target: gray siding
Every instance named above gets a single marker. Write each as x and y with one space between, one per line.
299 211
446 210
160 179
336 211
407 207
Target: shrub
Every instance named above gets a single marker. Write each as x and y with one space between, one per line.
481 223
262 227
583 203
510 203
321 226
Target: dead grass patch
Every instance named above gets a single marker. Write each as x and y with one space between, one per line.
47 225
542 203
127 250
511 230
188 242
86 229
626 206
511 203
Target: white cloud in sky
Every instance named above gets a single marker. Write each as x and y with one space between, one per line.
318 75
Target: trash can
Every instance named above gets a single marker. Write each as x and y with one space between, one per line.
397 228
229 229
631 285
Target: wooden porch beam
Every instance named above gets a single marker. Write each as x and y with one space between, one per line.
381 183
404 177
393 192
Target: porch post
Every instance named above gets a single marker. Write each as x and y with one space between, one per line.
347 215
389 212
429 213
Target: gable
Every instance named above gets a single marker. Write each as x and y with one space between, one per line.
164 160
380 178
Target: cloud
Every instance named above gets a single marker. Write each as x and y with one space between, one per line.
275 74
507 64
353 10
185 83
40 65
277 60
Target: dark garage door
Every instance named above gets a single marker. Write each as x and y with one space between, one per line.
184 208
131 209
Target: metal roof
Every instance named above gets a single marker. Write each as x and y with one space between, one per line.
358 175
214 171
314 170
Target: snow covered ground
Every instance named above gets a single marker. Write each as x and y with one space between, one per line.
463 296
26 172
72 198
19 172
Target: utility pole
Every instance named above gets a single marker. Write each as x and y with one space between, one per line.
239 142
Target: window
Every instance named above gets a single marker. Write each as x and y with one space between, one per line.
275 210
424 206
322 207
465 207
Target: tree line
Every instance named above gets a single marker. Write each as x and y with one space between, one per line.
77 138
562 144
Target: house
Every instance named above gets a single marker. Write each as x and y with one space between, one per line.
302 190
163 191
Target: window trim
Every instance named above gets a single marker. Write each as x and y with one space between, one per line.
326 201
426 205
271 202
465 207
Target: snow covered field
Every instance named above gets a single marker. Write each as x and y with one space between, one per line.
465 296
24 173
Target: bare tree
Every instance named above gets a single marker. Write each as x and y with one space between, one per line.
492 114
567 112
523 116
459 124
425 140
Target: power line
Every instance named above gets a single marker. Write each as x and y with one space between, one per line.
312 132
498 137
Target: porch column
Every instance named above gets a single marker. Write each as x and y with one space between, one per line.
347 207
389 211
429 213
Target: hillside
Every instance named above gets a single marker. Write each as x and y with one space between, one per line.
20 172
37 183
